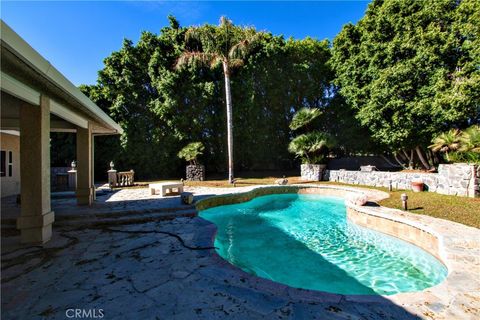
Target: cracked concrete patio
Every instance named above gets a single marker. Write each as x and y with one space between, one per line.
133 273
161 269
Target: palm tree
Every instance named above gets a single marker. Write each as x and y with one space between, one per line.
311 146
446 142
226 45
470 139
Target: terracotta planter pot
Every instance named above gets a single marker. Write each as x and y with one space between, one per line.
417 186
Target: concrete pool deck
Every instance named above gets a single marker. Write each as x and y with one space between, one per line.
152 263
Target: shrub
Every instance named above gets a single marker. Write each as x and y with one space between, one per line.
191 152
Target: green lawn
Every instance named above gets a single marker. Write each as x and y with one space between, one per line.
459 209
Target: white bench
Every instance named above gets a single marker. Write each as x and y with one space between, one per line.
164 187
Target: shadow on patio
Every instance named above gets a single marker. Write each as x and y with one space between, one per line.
125 202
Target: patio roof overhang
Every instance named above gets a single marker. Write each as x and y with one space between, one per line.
26 75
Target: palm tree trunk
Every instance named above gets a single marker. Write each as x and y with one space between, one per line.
228 96
422 158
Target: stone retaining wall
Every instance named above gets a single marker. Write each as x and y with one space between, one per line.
452 179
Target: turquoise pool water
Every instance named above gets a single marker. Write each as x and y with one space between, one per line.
305 241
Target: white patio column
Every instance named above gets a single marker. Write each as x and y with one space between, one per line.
85 188
36 216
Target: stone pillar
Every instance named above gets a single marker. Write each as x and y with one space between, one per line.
72 179
474 184
112 178
85 188
72 176
36 216
312 172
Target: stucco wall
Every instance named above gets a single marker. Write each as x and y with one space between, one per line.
453 179
11 185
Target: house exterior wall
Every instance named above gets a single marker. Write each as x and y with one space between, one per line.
11 185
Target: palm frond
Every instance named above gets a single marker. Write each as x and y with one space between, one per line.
303 117
193 34
195 58
203 37
309 145
447 141
225 22
244 47
239 50
235 63
470 139
298 145
217 60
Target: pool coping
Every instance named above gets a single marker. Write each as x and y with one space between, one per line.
458 248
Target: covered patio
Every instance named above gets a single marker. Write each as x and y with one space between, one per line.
37 99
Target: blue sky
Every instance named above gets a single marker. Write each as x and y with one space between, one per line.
76 36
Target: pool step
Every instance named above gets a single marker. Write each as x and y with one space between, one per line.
112 218
124 218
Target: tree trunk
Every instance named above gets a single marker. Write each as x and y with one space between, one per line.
398 160
430 158
409 159
228 97
422 158
435 156
412 160
387 160
402 157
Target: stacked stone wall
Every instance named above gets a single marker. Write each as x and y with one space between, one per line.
452 179
195 173
312 172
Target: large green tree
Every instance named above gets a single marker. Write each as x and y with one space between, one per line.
410 69
162 109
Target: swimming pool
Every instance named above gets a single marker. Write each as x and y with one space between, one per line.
305 241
